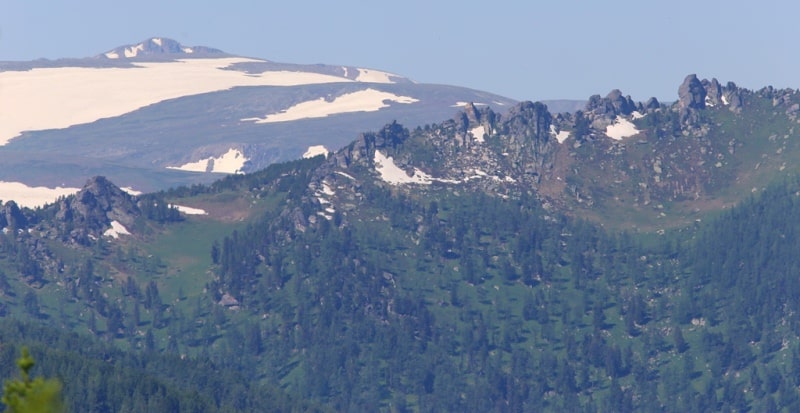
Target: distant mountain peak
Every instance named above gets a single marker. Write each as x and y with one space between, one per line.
156 46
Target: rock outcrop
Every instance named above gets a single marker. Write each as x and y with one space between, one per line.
89 213
390 136
12 217
652 104
691 93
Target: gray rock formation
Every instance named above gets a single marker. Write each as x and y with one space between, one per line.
652 104
389 136
713 91
691 93
89 213
11 216
622 105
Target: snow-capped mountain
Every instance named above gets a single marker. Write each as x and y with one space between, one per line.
157 46
157 113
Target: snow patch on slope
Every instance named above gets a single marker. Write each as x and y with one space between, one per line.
32 197
199 166
369 100
621 128
131 191
54 98
189 210
560 136
323 196
327 190
461 104
230 162
315 150
374 76
134 51
116 230
478 132
346 175
392 174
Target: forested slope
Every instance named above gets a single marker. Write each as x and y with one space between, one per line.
429 271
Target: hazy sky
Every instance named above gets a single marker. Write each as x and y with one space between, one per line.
525 49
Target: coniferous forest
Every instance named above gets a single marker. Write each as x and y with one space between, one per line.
404 300
447 302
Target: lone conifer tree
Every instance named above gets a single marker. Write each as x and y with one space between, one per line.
31 396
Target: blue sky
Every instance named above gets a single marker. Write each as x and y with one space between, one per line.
527 50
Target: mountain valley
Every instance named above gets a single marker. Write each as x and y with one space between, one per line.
628 256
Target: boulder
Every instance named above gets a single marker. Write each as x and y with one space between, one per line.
691 93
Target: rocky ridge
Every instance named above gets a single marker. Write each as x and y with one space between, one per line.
680 158
88 215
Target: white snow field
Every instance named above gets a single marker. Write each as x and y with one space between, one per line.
368 100
32 197
315 150
230 162
394 175
189 210
621 128
54 98
560 136
478 132
374 76
116 230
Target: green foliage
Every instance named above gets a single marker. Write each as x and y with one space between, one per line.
156 208
28 395
431 301
99 377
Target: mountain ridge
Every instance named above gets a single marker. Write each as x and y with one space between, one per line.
525 150
486 262
158 46
148 120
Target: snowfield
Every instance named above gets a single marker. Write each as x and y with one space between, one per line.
315 150
461 104
134 51
560 136
621 128
32 197
374 76
116 230
131 191
54 98
392 174
477 133
369 100
189 210
230 162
